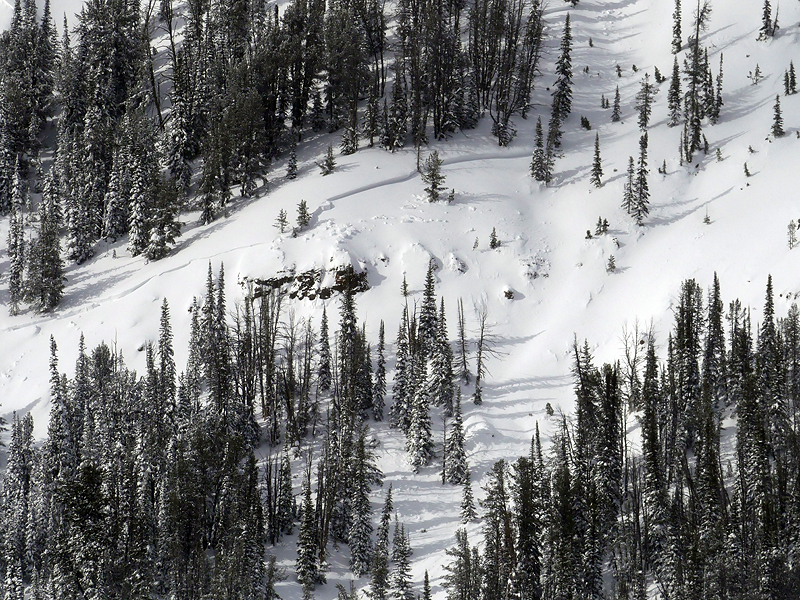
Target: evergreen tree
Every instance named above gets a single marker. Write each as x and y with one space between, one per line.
767 30
372 116
328 165
462 366
616 112
674 95
499 556
379 582
641 192
282 221
324 375
379 384
777 119
527 515
139 216
44 287
695 72
494 242
597 165
165 227
46 63
440 376
541 167
179 144
401 556
359 534
715 95
454 453
419 439
115 220
291 164
562 575
17 506
677 42
402 386
629 196
7 164
792 78
433 177
303 216
285 499
307 568
468 512
427 327
426 587
459 576
644 101
349 143
562 94
17 256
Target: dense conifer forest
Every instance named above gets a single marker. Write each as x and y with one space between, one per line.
676 474
148 485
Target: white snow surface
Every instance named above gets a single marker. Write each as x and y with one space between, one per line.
371 212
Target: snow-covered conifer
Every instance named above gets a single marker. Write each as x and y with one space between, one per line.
641 191
291 163
307 567
468 512
379 383
455 456
597 164
674 95
419 439
324 375
433 177
440 375
401 556
616 112
777 119
328 164
303 216
427 328
677 42
644 101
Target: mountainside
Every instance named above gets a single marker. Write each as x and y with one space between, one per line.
547 283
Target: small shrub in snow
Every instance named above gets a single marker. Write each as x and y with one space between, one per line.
494 242
281 222
328 165
303 216
432 175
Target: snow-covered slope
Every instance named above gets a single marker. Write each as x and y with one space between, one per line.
371 212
